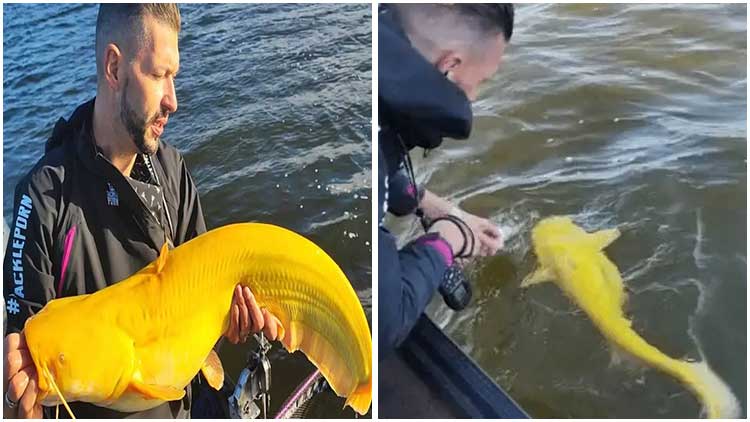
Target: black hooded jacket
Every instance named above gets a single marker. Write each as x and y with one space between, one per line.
418 107
79 226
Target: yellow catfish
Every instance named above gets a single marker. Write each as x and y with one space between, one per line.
138 343
573 259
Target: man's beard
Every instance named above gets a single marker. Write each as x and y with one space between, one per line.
137 125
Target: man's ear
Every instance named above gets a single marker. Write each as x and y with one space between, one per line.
113 63
448 62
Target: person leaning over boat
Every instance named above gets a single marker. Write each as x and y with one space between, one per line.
432 59
105 197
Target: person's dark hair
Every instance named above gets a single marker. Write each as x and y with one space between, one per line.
482 18
489 16
123 24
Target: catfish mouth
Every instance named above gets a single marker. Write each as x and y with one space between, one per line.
45 379
43 374
49 395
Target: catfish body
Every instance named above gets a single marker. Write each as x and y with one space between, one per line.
574 260
138 343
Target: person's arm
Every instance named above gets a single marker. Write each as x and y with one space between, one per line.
434 206
488 236
403 195
28 284
406 282
407 278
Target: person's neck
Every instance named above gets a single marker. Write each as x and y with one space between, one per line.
118 149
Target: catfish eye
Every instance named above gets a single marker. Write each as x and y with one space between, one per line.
61 358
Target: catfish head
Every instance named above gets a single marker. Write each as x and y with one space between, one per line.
72 362
553 236
573 259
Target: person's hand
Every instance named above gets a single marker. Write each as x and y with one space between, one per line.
488 238
246 318
20 379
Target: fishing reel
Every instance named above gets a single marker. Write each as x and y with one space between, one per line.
254 385
251 398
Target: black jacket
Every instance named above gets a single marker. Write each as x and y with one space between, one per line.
418 106
78 226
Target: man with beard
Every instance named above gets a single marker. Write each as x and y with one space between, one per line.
432 59
105 197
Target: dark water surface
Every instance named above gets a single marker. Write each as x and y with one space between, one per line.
618 115
273 122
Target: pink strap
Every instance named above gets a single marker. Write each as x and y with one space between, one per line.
66 257
440 245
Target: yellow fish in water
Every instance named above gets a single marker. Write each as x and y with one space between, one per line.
573 259
138 343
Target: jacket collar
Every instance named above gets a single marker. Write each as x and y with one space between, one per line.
414 97
77 133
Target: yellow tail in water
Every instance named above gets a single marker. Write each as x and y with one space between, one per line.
139 342
573 259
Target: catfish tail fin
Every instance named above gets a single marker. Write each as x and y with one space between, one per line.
718 399
361 398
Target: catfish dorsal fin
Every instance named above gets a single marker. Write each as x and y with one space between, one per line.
162 259
604 238
541 275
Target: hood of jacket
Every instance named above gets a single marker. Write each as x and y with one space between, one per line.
415 99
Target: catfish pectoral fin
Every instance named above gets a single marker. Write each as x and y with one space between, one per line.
541 275
160 392
604 238
213 370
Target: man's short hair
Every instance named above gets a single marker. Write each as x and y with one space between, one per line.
123 24
489 16
480 18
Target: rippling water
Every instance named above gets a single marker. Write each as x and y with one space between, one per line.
273 122
619 115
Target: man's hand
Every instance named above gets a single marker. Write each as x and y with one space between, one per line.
20 379
488 239
246 318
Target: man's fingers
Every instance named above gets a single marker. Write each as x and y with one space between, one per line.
255 312
491 244
280 331
38 414
484 250
28 400
17 360
234 323
14 341
270 329
491 230
18 384
245 322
